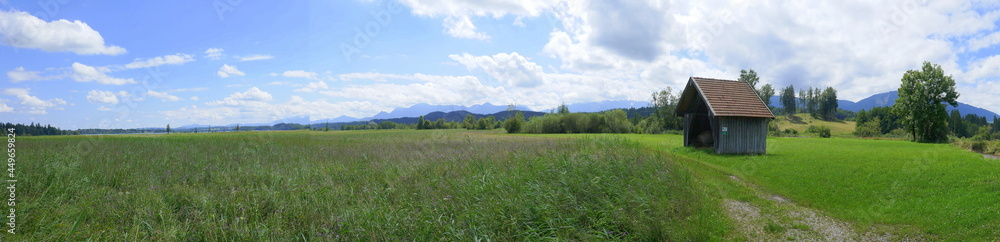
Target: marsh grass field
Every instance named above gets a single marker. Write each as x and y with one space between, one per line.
370 185
469 185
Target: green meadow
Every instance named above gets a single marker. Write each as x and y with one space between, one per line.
487 185
919 191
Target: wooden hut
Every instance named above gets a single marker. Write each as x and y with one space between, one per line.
724 114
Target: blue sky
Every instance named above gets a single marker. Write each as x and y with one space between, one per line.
99 64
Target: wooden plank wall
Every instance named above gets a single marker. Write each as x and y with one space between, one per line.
745 135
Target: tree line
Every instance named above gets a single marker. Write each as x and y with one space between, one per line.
35 129
662 118
817 102
884 122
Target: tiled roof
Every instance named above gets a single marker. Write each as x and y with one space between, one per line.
724 98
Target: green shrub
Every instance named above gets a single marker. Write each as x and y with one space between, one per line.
613 121
514 124
984 133
871 128
824 132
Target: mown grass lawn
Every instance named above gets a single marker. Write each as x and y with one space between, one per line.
938 189
364 185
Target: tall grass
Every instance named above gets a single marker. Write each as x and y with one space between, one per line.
378 185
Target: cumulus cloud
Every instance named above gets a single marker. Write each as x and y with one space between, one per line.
250 97
511 69
176 59
255 57
431 89
228 70
166 97
213 53
19 74
85 73
298 74
462 27
22 30
403 90
192 89
457 13
839 44
95 96
4 108
313 86
295 106
33 104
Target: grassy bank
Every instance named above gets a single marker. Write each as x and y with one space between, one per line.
990 147
381 185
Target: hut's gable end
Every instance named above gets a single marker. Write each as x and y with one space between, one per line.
730 111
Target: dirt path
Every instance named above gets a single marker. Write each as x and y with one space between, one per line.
776 218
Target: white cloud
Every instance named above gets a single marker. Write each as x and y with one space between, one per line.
193 89
284 83
252 96
373 76
176 59
295 106
214 53
313 86
19 74
462 27
840 44
103 109
228 70
194 98
4 108
95 96
254 105
256 57
300 74
429 89
34 104
457 13
166 97
22 30
983 42
84 73
511 69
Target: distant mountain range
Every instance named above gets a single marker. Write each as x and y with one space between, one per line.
457 112
889 99
448 112
481 110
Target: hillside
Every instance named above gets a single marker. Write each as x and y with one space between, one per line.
801 122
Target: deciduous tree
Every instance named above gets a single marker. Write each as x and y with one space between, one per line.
923 95
750 77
